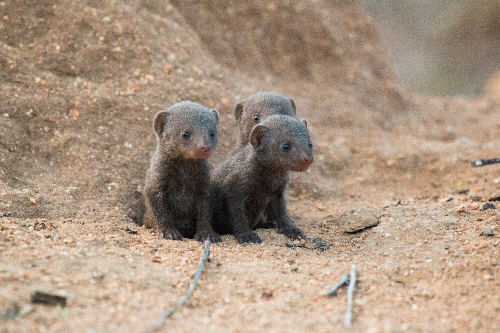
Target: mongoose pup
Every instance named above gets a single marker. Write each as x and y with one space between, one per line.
176 187
250 112
257 108
254 180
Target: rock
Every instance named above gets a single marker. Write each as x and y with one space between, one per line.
446 199
497 198
356 220
475 205
131 230
313 244
465 191
317 244
487 232
40 297
13 312
488 205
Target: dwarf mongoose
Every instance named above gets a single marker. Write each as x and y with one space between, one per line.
253 181
176 187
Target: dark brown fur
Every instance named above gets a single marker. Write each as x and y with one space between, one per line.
256 108
176 188
252 111
254 181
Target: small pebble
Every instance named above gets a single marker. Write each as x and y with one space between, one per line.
353 221
488 205
168 69
475 205
25 310
13 312
487 232
497 198
131 230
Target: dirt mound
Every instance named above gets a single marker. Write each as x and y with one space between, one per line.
83 81
81 85
334 45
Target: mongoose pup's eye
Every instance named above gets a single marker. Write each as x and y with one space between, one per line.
212 133
186 134
256 117
286 146
310 143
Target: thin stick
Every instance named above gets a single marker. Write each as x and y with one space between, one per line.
192 285
344 280
479 163
350 290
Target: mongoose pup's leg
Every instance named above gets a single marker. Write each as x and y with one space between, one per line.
276 211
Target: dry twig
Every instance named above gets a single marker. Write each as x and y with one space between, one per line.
350 290
343 281
479 163
192 285
40 297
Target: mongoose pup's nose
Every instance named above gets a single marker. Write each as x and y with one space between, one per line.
308 160
205 149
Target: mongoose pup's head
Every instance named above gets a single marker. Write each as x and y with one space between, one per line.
257 108
283 143
187 130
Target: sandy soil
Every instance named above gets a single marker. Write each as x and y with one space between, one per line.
80 83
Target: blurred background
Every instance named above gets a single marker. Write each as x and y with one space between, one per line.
445 47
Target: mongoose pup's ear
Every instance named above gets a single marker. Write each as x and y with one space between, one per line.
257 134
304 121
238 110
159 122
216 114
292 103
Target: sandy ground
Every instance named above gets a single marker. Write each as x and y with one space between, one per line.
81 82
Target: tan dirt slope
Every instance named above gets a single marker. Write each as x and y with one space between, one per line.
80 84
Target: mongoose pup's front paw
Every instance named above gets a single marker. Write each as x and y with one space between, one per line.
171 234
292 232
202 235
248 237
